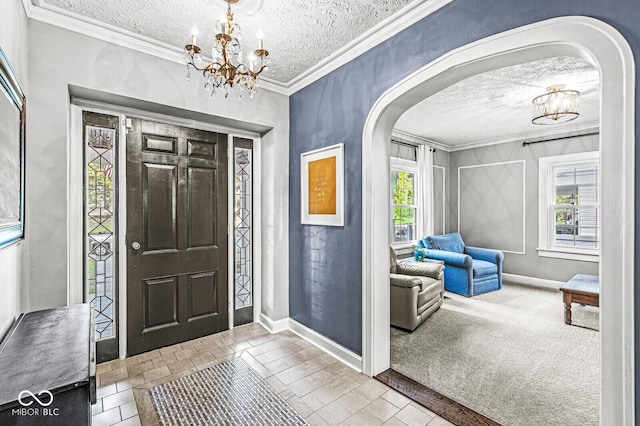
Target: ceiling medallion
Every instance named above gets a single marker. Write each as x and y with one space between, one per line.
556 106
227 69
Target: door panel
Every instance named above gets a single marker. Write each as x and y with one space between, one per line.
202 149
202 197
155 143
177 212
161 291
203 299
160 189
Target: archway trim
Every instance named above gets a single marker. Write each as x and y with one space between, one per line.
569 36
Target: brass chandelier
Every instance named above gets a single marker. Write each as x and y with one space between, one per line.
227 69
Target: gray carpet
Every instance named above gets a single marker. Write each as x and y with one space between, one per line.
230 393
509 356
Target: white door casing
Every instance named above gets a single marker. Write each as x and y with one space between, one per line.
75 289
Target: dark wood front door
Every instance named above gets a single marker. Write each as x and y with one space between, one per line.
176 235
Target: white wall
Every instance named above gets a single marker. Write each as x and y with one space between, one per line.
60 58
11 264
498 195
13 41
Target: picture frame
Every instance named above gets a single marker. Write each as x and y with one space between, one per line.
12 148
322 186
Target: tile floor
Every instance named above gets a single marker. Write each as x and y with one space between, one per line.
321 389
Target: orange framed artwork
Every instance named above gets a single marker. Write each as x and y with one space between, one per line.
322 185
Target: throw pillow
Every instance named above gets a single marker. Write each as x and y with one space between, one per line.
447 242
424 243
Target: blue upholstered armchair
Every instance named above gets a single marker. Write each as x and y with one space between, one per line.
468 270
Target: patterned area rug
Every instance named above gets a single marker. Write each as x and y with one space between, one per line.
230 393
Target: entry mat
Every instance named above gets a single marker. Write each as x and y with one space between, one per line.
230 393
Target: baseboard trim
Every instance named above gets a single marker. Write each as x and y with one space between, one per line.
532 281
337 351
273 326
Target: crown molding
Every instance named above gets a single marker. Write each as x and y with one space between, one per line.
26 4
386 29
576 130
112 34
407 137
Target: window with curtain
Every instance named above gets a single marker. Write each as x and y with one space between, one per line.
403 201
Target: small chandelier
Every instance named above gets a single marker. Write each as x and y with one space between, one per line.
227 69
556 106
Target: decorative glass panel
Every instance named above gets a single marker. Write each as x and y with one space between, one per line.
100 247
242 227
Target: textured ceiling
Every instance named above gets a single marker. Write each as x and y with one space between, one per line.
497 104
298 34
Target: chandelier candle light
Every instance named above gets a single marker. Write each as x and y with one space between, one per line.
227 69
556 106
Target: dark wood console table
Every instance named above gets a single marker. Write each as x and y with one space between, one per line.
48 368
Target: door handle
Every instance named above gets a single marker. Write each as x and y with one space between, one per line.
135 245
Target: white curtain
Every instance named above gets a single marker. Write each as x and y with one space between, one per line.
425 190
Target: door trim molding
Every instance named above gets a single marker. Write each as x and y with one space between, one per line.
75 207
256 229
122 237
75 287
130 112
571 35
230 234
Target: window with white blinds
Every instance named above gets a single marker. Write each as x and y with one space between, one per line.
575 206
570 206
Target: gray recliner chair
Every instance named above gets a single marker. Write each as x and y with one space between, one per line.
417 291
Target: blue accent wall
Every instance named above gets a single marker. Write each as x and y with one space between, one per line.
325 278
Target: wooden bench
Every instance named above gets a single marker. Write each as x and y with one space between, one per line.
48 368
583 289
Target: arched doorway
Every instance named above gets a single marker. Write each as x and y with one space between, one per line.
571 36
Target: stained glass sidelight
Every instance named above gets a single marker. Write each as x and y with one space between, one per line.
242 227
100 244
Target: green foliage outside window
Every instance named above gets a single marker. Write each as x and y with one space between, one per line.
403 194
566 199
100 195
